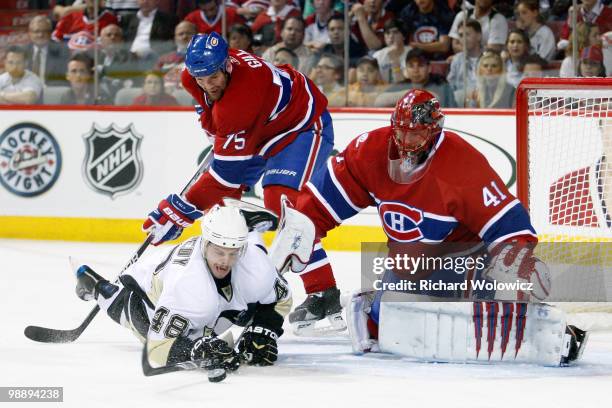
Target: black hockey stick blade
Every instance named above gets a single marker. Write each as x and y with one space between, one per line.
45 335
149 371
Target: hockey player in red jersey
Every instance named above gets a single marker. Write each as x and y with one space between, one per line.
262 120
429 186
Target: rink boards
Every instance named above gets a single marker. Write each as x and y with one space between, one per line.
93 174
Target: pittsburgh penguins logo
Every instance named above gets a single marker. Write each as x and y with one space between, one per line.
30 159
401 222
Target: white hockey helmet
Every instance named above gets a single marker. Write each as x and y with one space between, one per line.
225 227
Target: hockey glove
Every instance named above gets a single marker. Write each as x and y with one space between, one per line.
215 354
167 221
258 346
513 262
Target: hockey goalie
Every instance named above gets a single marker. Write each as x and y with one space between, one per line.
431 187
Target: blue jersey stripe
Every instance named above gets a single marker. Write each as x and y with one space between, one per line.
324 183
515 219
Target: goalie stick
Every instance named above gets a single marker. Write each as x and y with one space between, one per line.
46 335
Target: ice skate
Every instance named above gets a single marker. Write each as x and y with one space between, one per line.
577 342
316 307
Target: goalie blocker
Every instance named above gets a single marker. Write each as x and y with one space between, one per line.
419 327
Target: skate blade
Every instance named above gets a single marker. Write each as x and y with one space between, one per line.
331 326
582 346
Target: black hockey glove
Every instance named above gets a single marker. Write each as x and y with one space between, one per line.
258 346
215 353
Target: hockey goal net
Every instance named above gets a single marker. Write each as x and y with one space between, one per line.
564 164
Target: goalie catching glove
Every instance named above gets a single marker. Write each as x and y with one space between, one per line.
515 262
172 215
258 346
215 353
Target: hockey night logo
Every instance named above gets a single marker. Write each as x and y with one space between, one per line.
30 159
112 161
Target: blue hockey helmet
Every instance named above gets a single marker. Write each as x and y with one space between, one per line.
206 54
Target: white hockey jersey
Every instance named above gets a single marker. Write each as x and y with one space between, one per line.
189 301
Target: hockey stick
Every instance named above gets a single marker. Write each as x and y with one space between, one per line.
149 371
46 335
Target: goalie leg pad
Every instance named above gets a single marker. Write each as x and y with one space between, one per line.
357 308
294 241
478 332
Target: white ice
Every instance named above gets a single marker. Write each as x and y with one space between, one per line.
102 368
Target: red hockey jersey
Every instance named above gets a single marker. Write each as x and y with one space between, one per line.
262 110
460 198
78 21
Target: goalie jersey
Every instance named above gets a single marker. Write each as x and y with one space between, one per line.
460 198
262 110
189 302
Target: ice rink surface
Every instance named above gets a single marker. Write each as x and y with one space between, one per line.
102 368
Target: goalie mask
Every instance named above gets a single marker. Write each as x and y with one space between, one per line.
416 124
226 228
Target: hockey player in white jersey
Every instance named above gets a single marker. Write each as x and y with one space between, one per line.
177 302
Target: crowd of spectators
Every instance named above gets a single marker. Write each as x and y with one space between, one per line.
137 53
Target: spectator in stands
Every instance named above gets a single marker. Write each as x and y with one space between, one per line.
328 77
606 45
241 37
171 64
335 28
150 31
209 17
493 91
517 50
369 18
418 75
590 11
541 37
286 56
591 63
534 66
249 9
17 84
269 23
316 35
83 20
292 37
392 58
45 58
123 8
65 7
368 86
80 76
153 93
429 22
117 66
494 25
587 34
456 71
309 8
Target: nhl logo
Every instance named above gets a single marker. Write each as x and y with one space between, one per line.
30 160
112 162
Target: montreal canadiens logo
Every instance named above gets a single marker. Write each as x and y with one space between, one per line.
30 159
427 34
401 222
